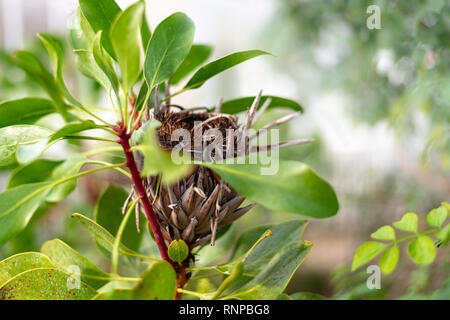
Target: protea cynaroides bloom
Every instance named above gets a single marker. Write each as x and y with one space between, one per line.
195 207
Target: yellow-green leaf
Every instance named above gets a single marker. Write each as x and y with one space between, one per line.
408 222
422 250
389 259
384 233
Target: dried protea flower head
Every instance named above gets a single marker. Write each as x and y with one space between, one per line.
195 207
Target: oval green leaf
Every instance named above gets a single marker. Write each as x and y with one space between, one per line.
366 252
384 233
125 39
100 14
168 47
389 259
44 284
17 206
64 257
22 262
242 104
293 188
213 68
408 223
24 111
437 217
13 136
37 171
158 283
199 54
422 250
101 235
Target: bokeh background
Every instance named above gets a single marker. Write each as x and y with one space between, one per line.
376 101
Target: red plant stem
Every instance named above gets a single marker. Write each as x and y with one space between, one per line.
124 141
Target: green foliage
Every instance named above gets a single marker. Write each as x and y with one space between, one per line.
213 68
21 262
13 137
421 247
64 257
158 283
240 104
101 236
24 111
168 47
125 40
43 284
100 15
294 188
105 40
17 206
197 56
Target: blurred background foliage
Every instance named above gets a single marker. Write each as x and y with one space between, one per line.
377 103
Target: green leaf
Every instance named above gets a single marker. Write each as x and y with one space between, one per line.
178 251
124 35
408 222
199 54
158 161
55 51
211 69
86 65
64 257
168 47
28 62
37 171
43 284
17 206
24 111
265 275
275 275
422 250
384 233
108 214
13 136
293 188
101 235
72 129
66 169
389 259
100 14
436 217
366 252
158 283
282 235
21 262
242 104
81 35
104 61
